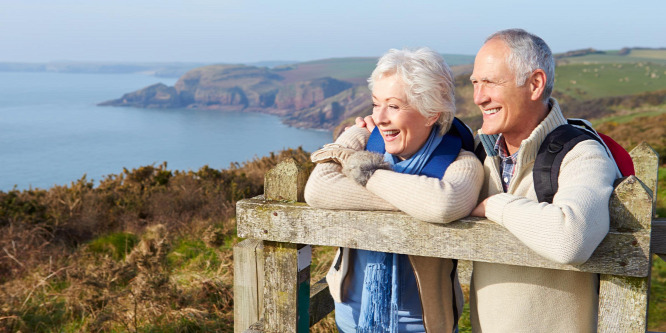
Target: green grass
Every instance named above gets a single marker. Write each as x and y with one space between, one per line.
117 245
635 56
587 81
657 307
193 255
646 111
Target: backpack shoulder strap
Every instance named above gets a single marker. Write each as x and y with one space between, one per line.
549 158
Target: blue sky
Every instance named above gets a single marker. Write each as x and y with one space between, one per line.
247 31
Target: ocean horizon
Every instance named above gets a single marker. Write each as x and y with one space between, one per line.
53 133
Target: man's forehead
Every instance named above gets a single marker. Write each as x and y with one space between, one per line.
490 61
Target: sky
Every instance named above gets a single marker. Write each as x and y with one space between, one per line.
245 31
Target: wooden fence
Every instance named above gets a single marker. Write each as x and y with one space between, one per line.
272 289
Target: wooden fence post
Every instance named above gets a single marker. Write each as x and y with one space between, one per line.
287 285
646 164
248 283
623 301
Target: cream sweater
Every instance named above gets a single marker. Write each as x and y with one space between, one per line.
507 298
425 198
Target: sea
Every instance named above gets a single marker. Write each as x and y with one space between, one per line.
53 133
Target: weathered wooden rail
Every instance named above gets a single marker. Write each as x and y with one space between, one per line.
272 291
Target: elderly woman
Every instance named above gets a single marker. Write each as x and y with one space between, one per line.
413 162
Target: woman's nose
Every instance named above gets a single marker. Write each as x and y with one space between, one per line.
380 115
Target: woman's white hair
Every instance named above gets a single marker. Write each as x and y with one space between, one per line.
528 53
427 78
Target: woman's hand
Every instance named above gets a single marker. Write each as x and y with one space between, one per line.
366 122
332 152
360 166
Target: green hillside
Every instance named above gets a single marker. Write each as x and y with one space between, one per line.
586 81
353 69
630 56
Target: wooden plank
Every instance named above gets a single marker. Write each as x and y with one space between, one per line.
623 301
321 302
623 304
286 181
646 164
476 239
257 327
248 283
282 286
631 206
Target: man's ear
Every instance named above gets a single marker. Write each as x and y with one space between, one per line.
537 83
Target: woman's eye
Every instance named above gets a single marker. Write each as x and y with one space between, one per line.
394 107
374 105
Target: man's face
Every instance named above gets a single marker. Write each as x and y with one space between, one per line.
505 106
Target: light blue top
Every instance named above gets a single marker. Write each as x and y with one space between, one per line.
410 314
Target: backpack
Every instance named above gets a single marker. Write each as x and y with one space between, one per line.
557 144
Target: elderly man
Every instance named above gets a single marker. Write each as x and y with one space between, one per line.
513 79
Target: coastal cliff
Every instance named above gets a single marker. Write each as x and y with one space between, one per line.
301 100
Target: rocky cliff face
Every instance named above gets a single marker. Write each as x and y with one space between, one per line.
328 113
308 94
239 87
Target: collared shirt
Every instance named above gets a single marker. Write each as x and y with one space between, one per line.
507 167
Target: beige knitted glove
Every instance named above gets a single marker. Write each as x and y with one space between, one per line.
332 152
362 164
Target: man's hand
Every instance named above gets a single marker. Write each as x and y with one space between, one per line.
480 210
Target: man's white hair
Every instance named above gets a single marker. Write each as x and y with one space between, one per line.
528 53
427 78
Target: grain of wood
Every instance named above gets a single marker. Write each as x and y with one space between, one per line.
248 283
622 304
646 164
286 181
476 239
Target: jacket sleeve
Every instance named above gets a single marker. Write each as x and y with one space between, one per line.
431 199
328 188
570 229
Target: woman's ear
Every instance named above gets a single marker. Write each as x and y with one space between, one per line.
432 120
537 82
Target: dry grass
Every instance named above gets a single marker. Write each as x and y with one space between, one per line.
148 250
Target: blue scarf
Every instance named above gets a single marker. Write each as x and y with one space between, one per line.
380 297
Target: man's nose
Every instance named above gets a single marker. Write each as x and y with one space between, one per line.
480 96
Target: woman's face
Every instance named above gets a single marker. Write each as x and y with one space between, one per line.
403 128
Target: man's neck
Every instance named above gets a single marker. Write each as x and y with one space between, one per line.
514 139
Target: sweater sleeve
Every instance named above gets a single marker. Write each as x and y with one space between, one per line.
431 199
570 229
328 188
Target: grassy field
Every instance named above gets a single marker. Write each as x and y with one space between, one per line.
356 70
588 81
635 56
